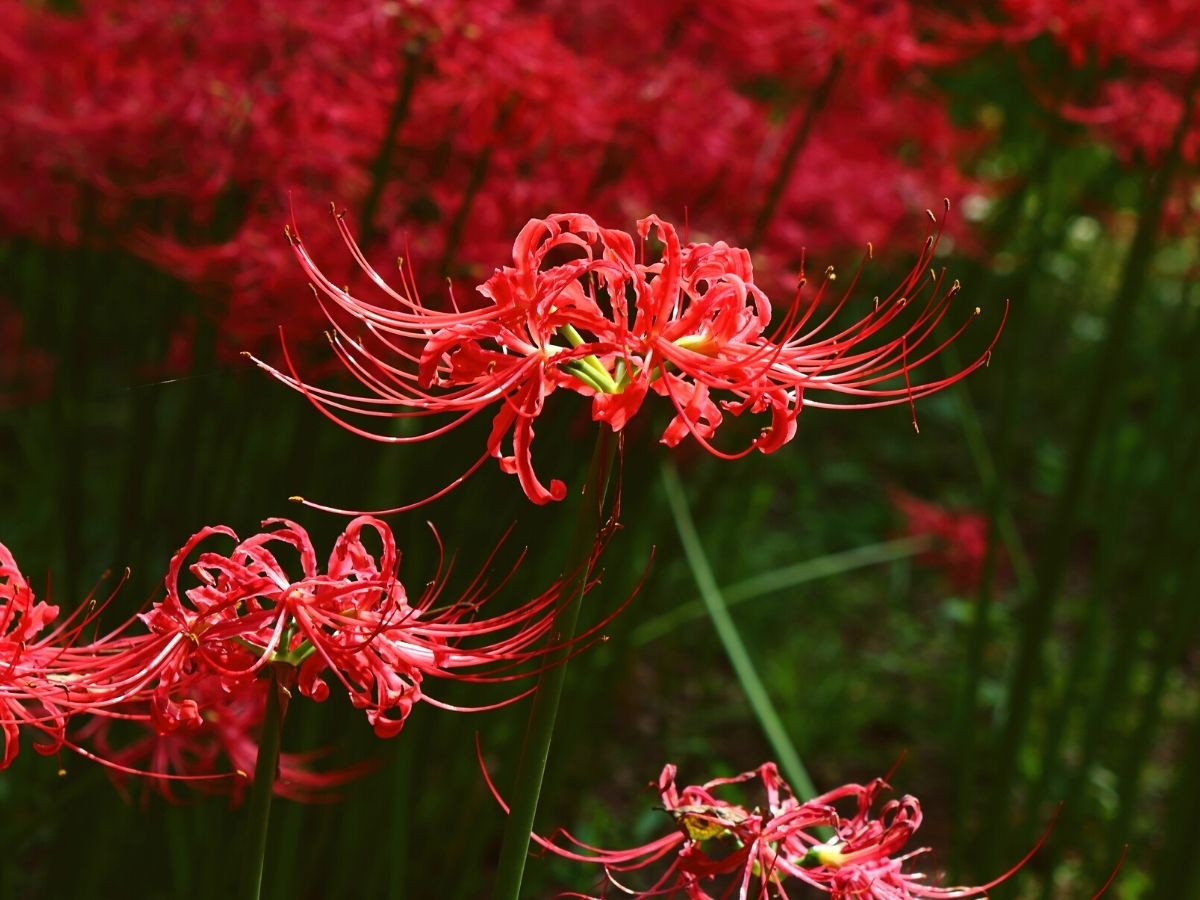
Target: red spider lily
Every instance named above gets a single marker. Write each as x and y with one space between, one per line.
353 622
46 677
720 848
42 680
194 676
579 310
27 697
961 537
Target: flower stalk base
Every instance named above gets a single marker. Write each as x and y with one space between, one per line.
265 770
535 750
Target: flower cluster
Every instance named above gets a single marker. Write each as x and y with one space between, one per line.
721 848
588 309
194 679
461 116
1138 59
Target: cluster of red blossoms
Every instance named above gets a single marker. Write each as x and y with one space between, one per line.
1140 56
191 685
720 848
584 308
124 127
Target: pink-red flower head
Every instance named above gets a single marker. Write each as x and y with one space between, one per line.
721 846
177 693
45 671
350 623
614 318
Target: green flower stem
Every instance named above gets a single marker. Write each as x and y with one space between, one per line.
265 770
986 465
401 832
781 579
1037 613
540 731
1177 866
735 649
413 59
475 179
791 153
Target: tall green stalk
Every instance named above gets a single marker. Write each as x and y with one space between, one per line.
413 56
539 733
475 179
1177 869
735 648
1037 612
993 469
266 768
791 153
780 579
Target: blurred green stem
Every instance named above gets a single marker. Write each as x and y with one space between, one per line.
475 181
1178 865
791 153
993 469
266 768
731 640
989 468
402 807
413 53
535 750
780 579
1037 612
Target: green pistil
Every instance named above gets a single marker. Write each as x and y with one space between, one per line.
297 655
697 343
291 657
572 337
819 855
589 369
586 375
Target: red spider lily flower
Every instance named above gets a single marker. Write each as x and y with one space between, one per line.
867 858
27 696
579 310
43 677
960 537
47 676
352 622
720 848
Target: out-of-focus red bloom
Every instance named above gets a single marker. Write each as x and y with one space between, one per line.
26 372
222 736
581 309
722 848
1138 58
960 537
467 114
